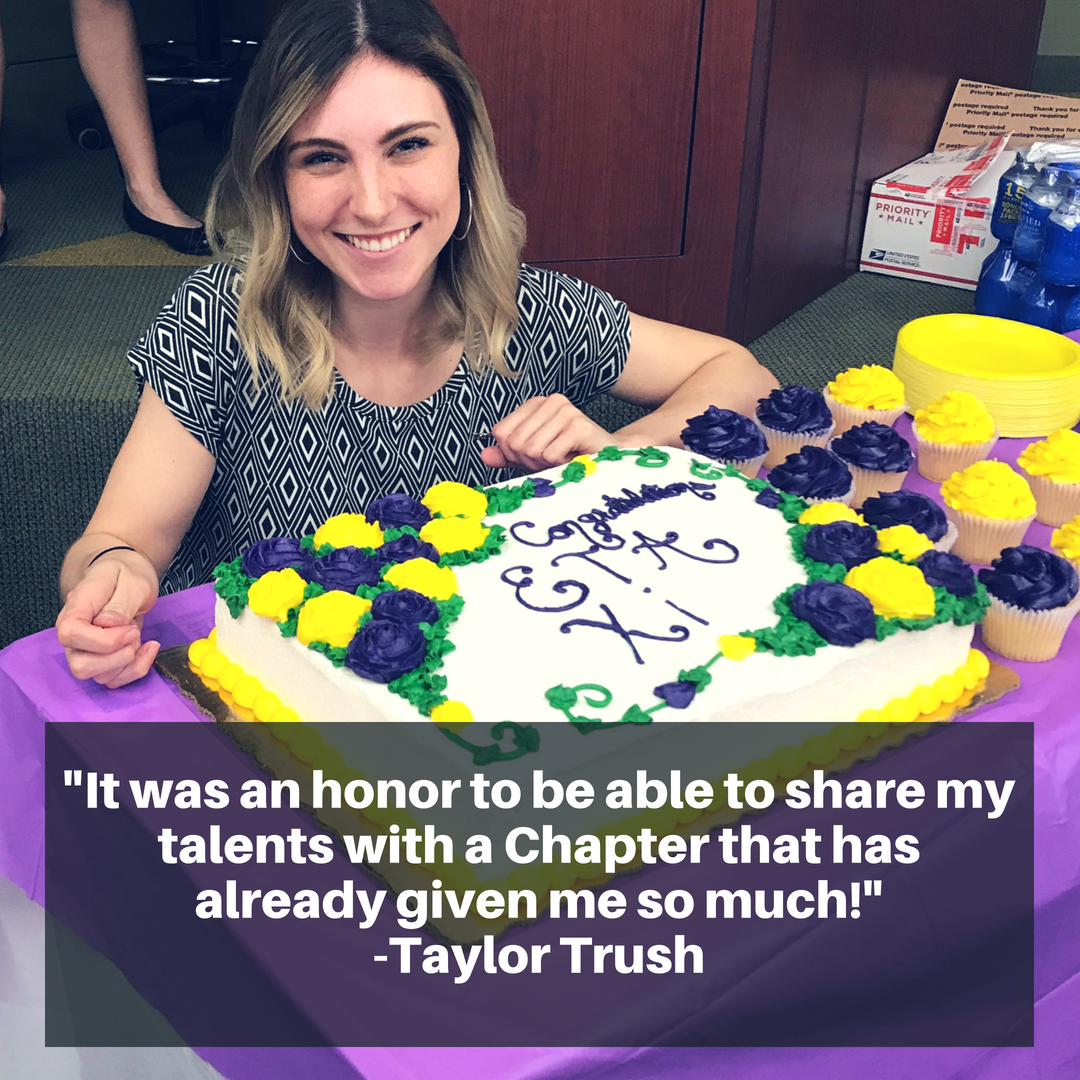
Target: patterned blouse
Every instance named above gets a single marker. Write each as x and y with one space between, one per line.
282 468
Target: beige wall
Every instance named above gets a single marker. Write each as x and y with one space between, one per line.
1060 29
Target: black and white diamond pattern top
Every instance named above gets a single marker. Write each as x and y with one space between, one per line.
282 469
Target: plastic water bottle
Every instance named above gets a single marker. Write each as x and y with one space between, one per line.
1002 282
1045 305
1060 260
1039 201
1010 194
1071 319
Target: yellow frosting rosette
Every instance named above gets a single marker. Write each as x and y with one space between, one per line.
276 592
825 513
332 618
587 461
1053 467
1066 540
452 714
348 530
906 541
423 576
991 506
870 392
454 534
897 590
952 433
956 417
989 489
455 500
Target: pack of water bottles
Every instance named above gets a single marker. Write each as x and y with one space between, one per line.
1033 275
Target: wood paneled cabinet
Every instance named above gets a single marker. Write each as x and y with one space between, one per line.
708 161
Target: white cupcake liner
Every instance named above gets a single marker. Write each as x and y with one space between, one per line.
938 461
782 443
1027 635
845 499
981 539
749 467
847 416
947 541
1055 503
871 482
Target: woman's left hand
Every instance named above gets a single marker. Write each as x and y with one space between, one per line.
544 432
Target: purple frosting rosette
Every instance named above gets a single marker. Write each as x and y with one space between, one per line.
724 435
841 542
346 569
395 511
1030 578
795 409
874 446
384 649
812 473
405 606
276 553
906 508
404 548
946 571
839 613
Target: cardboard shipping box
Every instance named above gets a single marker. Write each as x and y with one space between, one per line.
930 220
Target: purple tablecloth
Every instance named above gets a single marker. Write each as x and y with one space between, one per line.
36 687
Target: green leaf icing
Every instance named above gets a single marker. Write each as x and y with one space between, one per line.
232 584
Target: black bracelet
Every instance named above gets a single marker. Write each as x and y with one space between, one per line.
119 547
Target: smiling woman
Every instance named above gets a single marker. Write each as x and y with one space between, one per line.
368 329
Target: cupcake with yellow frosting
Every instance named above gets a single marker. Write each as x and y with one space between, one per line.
1053 470
1066 541
991 506
952 433
870 392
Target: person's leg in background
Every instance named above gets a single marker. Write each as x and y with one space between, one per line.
108 47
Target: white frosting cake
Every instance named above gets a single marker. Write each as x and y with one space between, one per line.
621 605
620 592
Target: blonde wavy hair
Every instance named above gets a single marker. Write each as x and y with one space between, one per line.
284 305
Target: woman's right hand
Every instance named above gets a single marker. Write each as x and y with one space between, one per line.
100 625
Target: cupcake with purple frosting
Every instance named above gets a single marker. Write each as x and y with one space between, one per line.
791 418
878 456
815 475
727 437
1034 595
892 508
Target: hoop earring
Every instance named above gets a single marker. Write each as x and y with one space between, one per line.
302 262
468 224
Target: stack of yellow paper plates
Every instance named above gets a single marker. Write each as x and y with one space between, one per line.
1027 377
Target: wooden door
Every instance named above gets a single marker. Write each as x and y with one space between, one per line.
620 128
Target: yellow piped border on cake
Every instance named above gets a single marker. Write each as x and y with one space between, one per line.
925 704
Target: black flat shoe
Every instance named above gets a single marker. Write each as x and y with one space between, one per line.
185 241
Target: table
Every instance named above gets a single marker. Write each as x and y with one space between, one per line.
35 688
